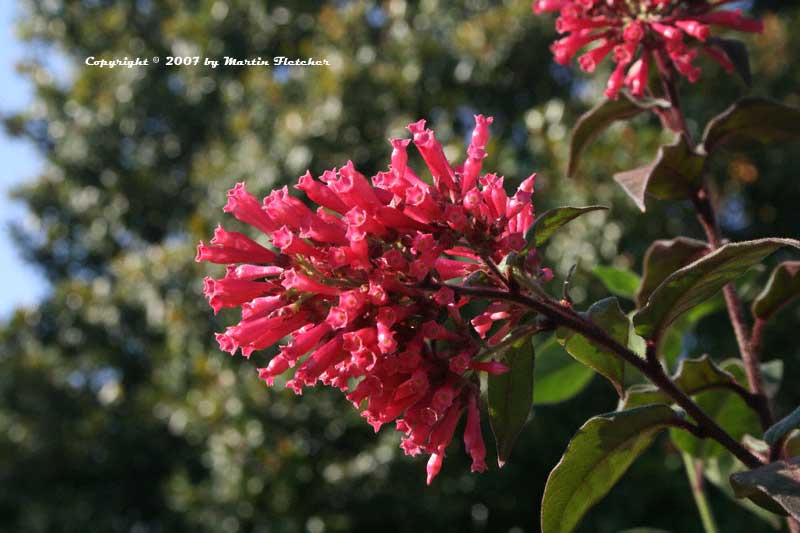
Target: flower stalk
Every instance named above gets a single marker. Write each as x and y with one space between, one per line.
566 317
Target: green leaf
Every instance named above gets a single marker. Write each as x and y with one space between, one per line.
783 287
728 409
674 175
510 398
718 471
546 224
618 281
776 487
558 376
749 120
596 458
782 427
598 119
737 52
665 257
607 315
693 377
699 281
792 445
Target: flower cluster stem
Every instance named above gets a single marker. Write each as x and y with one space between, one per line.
566 317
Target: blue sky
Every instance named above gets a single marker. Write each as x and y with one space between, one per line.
22 285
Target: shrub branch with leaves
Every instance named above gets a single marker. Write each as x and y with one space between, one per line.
420 297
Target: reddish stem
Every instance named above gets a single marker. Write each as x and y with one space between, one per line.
706 215
564 316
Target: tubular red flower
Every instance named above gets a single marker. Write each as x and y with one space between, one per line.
320 194
490 367
636 79
473 439
594 57
639 28
246 208
433 155
277 366
433 467
356 288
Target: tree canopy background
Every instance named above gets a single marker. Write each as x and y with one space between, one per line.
117 410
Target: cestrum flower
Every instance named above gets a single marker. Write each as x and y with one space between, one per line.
355 286
636 32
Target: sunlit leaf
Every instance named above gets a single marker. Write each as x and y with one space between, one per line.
549 222
558 376
618 281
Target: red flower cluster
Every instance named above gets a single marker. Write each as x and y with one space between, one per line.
358 284
621 28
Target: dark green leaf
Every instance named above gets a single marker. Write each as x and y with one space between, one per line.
693 377
752 119
674 175
548 223
558 376
609 317
510 398
618 281
782 427
737 52
665 257
598 119
776 487
699 281
728 409
783 287
596 458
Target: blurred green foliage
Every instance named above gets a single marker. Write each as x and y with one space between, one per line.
117 410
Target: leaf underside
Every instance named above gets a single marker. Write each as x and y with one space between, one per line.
700 280
776 486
